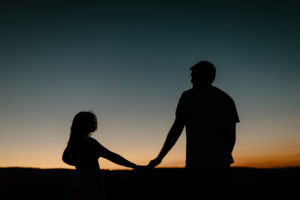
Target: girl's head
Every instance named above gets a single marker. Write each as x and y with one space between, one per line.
84 123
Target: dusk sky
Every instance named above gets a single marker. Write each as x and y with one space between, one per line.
130 62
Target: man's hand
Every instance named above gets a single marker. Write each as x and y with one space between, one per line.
171 139
153 163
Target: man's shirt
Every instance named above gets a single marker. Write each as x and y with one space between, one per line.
209 115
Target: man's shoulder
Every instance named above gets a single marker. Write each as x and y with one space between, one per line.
222 94
214 91
187 94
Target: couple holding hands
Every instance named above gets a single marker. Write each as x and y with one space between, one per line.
209 116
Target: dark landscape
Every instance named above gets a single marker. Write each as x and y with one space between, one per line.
162 183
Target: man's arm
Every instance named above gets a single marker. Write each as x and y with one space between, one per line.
171 139
231 138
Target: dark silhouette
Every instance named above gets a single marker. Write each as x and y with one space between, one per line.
83 152
50 184
210 118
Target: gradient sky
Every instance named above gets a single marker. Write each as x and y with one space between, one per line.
129 63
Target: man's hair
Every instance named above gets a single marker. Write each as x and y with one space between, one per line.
205 71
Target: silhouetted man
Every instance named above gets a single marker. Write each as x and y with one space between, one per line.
210 118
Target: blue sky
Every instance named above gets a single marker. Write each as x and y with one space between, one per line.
129 63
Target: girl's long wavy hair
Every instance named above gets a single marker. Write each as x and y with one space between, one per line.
84 123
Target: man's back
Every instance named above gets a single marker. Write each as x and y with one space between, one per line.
209 113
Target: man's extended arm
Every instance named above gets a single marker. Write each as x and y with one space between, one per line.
171 139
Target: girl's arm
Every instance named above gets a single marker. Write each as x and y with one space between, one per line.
116 158
67 157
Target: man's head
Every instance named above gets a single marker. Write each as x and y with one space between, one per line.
203 73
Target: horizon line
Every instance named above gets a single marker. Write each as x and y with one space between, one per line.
157 168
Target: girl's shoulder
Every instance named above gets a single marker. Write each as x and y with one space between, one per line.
93 142
95 146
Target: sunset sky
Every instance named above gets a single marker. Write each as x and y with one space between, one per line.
129 63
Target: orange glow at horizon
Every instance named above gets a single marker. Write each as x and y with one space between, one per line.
47 152
49 156
107 165
173 160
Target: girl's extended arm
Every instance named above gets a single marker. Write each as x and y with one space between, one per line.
116 158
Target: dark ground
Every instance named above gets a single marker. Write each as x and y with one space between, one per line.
249 183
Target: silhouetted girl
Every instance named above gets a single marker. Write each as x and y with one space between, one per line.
83 152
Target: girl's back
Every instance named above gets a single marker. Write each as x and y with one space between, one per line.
86 154
86 183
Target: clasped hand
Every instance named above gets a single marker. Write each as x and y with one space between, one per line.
152 164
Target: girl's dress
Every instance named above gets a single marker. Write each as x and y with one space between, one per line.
87 182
